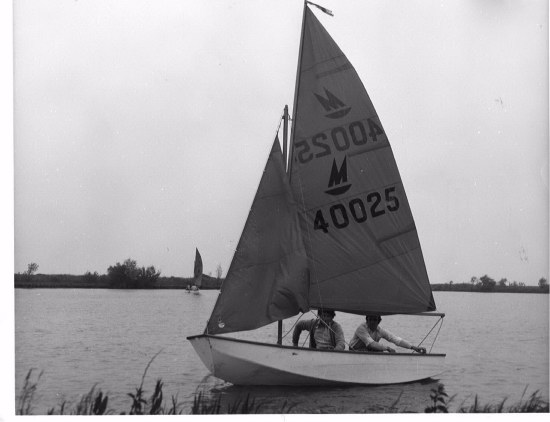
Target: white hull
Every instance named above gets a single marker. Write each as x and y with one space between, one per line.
243 362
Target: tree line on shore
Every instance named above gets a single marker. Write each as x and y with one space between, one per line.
129 275
487 284
125 275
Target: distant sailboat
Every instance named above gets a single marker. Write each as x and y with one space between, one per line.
334 230
197 273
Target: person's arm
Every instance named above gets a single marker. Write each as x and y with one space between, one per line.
363 334
338 336
380 347
398 341
300 326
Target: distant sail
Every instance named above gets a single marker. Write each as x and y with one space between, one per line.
268 278
363 248
197 273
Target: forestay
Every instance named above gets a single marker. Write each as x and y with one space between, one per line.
362 245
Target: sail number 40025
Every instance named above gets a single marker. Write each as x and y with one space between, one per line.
340 213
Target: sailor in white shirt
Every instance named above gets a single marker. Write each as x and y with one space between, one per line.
368 334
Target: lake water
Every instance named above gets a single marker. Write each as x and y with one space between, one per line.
496 345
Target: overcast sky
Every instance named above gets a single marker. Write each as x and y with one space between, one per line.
142 127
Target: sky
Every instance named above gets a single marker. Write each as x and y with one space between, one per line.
142 127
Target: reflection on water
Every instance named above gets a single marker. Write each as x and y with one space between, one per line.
106 337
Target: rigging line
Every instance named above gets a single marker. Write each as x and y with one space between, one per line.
309 332
440 320
440 326
330 328
437 322
293 325
279 127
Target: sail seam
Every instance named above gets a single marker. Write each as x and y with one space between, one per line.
345 66
408 229
368 149
369 265
331 59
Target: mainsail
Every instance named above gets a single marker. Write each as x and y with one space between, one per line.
363 249
339 234
267 279
197 272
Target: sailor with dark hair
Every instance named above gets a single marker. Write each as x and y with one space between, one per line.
324 332
368 334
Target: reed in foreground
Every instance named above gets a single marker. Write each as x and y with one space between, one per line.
95 402
534 404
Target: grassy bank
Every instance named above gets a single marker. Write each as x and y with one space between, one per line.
468 287
91 281
94 281
95 402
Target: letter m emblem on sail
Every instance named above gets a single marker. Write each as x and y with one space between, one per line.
333 105
338 182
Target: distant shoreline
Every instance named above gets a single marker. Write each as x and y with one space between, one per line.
67 281
474 288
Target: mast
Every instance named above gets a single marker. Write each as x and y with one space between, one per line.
285 136
285 141
288 163
296 89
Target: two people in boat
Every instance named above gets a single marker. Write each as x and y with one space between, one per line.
325 333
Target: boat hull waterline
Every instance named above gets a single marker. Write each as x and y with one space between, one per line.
243 362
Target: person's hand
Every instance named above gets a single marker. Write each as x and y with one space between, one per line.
389 349
421 350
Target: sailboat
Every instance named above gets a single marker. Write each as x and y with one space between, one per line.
197 273
330 227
